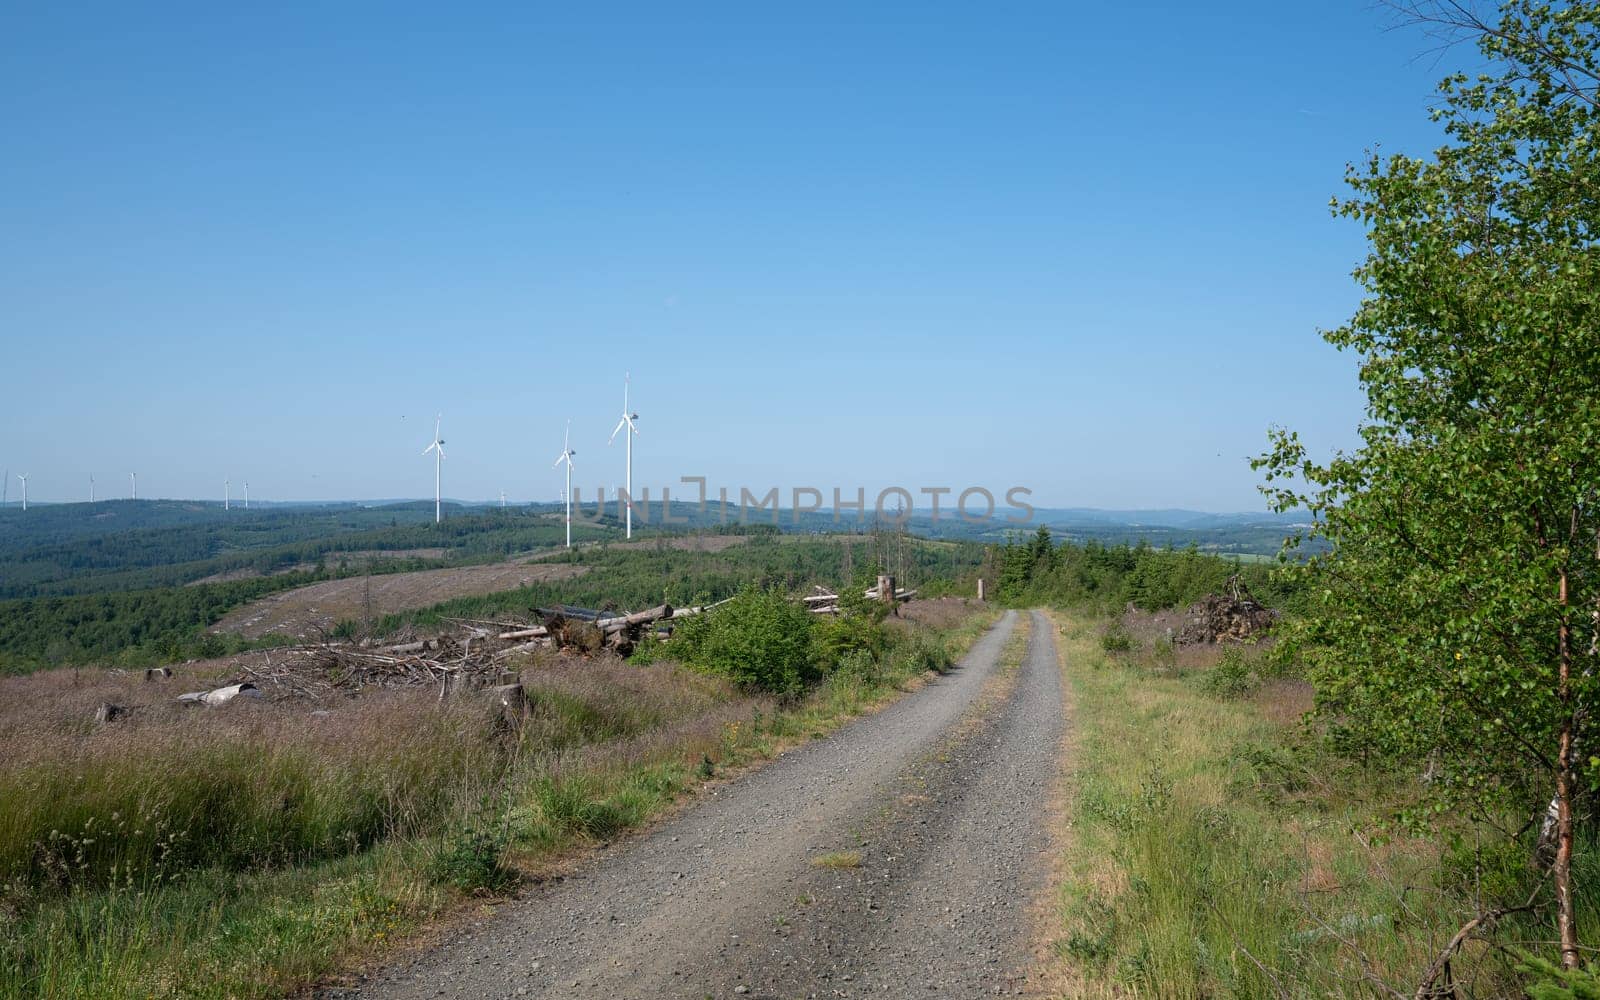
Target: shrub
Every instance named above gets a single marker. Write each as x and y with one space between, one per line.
922 652
472 861
759 640
842 635
1234 676
1116 639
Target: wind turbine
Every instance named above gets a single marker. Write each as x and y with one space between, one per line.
437 447
502 499
247 494
91 489
566 456
133 480
225 498
628 418
24 478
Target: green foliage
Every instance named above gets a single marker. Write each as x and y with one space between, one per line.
1035 571
134 628
856 630
1556 983
473 861
761 639
1453 613
1115 638
1234 676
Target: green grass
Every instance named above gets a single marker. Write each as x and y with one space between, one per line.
1213 850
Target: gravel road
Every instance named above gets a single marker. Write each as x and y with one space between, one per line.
941 797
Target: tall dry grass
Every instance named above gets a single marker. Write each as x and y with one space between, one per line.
244 850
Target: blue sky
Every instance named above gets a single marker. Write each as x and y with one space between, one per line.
1079 248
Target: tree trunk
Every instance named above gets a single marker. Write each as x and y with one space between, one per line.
1566 922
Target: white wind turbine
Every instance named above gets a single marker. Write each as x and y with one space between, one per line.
566 456
628 418
24 479
133 486
225 497
91 489
247 494
437 447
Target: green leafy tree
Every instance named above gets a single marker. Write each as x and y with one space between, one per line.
1457 607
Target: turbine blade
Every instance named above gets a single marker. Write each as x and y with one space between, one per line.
634 427
559 459
614 433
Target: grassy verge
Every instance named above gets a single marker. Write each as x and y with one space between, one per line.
245 853
1209 849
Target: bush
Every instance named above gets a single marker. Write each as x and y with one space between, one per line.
759 640
1116 639
850 632
472 861
922 652
1234 676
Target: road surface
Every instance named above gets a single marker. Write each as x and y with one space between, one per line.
934 810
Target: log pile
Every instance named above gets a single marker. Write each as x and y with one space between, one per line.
824 602
475 658
1233 616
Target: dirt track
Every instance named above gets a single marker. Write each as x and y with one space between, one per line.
942 796
299 613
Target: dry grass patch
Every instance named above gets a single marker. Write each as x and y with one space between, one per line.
838 860
246 850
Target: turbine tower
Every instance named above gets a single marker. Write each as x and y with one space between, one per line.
628 418
91 489
502 499
566 456
133 486
24 478
437 447
225 498
247 494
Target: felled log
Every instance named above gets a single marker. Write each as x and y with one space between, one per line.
413 647
609 626
568 611
221 695
525 647
537 632
698 609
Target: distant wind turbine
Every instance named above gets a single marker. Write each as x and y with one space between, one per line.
502 499
566 456
225 497
5 487
133 486
247 494
24 478
437 447
628 418
91 489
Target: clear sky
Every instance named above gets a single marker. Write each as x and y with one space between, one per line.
1083 248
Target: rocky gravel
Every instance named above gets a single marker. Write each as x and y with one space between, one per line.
899 857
